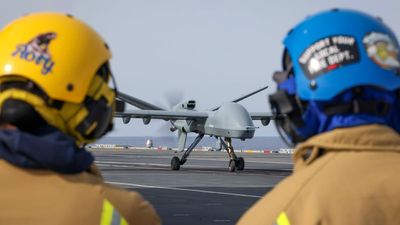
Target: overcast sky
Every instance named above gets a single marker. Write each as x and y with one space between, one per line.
211 51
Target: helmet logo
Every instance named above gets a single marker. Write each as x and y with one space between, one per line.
382 50
36 50
328 54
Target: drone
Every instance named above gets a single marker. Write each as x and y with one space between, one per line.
225 122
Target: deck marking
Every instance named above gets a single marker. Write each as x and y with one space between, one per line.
186 189
221 221
219 160
181 215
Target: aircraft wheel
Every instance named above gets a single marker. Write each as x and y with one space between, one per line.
232 165
240 163
175 163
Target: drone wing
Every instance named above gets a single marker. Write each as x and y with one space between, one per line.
162 114
265 117
137 102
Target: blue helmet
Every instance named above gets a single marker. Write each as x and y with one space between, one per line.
341 68
339 49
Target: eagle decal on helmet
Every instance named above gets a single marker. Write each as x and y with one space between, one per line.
36 50
382 50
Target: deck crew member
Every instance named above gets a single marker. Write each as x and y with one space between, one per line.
339 89
55 98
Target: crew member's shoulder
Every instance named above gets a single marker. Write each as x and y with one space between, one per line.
44 189
14 173
131 205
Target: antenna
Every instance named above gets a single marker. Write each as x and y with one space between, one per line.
243 97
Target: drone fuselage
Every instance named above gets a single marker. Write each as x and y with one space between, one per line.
231 120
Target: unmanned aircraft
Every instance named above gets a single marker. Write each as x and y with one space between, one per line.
227 121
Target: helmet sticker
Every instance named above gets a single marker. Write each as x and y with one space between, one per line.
328 54
382 50
36 50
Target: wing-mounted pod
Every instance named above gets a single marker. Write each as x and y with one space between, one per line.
146 120
265 122
126 119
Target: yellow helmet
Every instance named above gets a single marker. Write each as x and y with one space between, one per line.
58 65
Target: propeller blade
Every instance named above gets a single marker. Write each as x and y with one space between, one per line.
164 129
173 98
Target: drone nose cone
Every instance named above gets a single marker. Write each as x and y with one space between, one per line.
235 120
234 115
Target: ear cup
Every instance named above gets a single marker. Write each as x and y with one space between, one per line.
285 102
98 119
94 117
26 106
21 115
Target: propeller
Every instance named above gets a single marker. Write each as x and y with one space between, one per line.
172 98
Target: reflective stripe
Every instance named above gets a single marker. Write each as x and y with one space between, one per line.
282 219
106 215
124 222
110 215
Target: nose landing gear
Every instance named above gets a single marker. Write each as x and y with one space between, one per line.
234 162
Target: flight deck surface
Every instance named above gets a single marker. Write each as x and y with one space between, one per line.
203 191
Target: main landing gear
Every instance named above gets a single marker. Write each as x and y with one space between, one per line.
176 162
234 161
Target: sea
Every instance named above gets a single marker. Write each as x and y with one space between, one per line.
256 143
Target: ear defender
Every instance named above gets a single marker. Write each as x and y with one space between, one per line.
284 101
86 121
98 107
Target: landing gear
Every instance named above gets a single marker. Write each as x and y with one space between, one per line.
176 162
234 162
232 165
240 163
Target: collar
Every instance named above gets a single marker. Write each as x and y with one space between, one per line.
44 148
360 138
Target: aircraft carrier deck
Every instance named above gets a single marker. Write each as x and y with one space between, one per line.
202 191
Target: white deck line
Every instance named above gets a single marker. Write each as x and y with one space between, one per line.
186 189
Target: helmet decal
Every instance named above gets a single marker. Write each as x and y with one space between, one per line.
36 50
328 54
382 50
